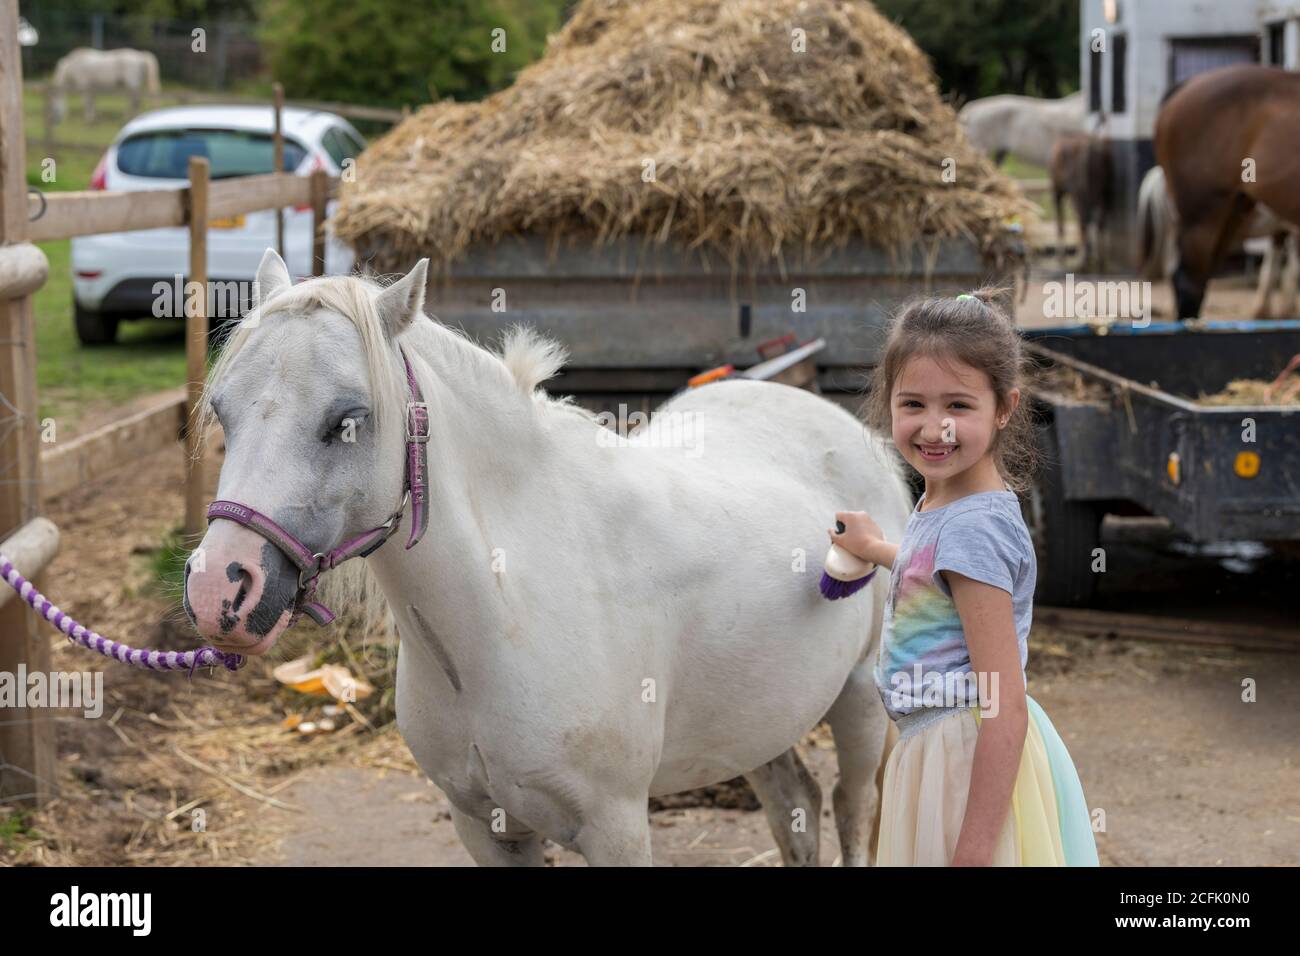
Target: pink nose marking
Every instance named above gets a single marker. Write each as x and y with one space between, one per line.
228 586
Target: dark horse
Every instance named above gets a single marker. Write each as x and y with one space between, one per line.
1080 168
1226 140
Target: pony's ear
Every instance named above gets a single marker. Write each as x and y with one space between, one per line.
272 276
402 301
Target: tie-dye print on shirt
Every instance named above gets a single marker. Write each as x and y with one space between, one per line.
981 536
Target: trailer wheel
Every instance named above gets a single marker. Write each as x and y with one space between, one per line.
1064 532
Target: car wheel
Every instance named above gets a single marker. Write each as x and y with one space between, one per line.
94 328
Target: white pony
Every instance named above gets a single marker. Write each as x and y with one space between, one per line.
1024 126
1158 246
590 619
87 71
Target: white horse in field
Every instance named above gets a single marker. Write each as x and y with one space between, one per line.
1158 246
1024 126
88 72
591 619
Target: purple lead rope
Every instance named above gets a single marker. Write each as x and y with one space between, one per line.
79 634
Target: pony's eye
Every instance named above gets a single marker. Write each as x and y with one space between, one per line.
345 429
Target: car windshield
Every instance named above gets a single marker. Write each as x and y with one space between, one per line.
165 154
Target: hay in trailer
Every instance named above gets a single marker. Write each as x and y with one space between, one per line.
742 127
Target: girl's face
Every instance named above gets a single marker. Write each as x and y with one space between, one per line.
945 420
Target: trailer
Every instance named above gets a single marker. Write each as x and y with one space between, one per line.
639 318
1120 432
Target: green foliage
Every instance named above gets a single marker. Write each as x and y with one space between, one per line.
983 47
167 565
15 829
390 52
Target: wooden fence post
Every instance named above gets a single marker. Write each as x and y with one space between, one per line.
277 163
27 758
196 344
320 194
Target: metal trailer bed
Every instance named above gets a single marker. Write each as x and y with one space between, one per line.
1134 441
640 318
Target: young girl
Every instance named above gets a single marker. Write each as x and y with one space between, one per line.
979 776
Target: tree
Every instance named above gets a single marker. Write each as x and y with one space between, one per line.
392 52
983 47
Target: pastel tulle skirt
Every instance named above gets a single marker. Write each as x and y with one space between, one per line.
927 780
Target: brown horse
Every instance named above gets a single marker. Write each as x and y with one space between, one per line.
1080 168
1226 140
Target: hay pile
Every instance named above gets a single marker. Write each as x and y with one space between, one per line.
755 146
1251 391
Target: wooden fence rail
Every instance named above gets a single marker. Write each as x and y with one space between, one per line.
89 213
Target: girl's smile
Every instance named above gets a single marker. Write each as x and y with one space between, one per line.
937 452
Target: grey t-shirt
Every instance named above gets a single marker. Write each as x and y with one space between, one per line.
924 661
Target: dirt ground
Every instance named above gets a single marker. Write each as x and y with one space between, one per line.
1185 772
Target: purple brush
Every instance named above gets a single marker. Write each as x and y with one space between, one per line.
846 574
834 589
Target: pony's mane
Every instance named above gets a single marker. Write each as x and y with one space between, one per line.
525 360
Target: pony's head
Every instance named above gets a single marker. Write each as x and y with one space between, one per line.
311 395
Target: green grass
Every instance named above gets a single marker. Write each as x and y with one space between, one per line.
73 168
149 355
1017 168
167 564
14 829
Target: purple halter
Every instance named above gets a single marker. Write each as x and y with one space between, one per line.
312 565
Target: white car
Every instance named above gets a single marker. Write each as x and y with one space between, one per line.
142 274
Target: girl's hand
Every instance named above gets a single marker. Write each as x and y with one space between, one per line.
861 537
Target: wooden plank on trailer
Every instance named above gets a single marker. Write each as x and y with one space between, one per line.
1150 627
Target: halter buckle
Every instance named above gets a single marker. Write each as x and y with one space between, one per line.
420 431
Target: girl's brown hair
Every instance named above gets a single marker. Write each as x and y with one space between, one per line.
975 332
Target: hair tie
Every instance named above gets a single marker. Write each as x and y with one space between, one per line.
966 296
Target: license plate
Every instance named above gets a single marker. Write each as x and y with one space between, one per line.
230 222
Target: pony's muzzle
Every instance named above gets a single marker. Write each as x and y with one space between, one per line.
239 591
